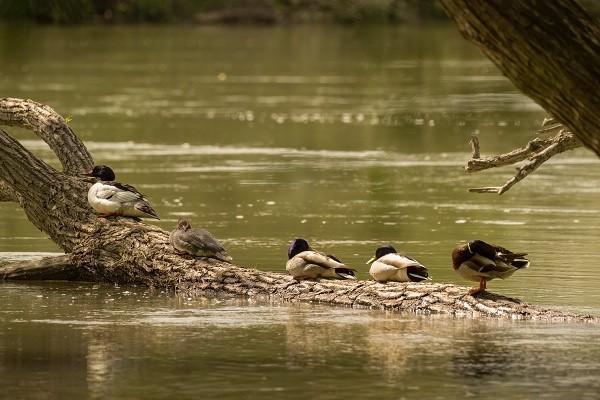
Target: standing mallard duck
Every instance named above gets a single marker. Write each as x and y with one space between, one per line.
391 266
113 198
306 263
481 262
197 242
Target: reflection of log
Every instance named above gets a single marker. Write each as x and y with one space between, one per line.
125 251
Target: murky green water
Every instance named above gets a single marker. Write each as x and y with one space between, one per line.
346 136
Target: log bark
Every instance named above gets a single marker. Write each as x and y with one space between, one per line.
550 50
123 250
192 276
46 268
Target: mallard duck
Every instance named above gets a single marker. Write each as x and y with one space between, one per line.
481 262
306 263
197 242
113 198
391 266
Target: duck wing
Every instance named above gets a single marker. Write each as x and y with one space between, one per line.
202 239
128 193
486 266
322 260
516 260
399 261
484 249
118 192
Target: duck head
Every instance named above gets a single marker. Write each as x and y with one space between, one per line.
382 251
461 253
103 172
297 246
183 224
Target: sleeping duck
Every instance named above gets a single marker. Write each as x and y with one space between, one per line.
113 198
391 266
306 263
197 242
481 262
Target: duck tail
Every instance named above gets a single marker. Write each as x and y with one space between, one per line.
345 273
223 256
519 263
417 273
146 209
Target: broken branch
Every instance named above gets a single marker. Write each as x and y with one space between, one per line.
537 151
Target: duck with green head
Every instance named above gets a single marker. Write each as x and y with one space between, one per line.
306 263
481 262
388 265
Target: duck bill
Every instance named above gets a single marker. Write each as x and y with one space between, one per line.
370 260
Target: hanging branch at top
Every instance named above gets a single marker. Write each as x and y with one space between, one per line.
537 152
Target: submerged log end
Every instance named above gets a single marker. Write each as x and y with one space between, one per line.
46 268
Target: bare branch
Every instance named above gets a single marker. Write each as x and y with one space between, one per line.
533 147
537 151
51 128
475 147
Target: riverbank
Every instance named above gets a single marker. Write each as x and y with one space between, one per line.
222 11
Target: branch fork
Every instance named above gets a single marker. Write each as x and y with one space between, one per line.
535 153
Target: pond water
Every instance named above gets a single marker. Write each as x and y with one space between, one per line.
348 136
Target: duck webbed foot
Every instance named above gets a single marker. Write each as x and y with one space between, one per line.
480 289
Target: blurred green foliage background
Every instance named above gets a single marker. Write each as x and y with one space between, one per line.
218 11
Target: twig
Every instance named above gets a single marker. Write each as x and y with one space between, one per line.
520 154
537 151
475 146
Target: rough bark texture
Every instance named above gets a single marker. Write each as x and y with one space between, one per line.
125 251
550 50
47 268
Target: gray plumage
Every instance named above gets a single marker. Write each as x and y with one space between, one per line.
197 242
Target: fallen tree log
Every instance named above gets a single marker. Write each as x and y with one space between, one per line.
122 250
208 277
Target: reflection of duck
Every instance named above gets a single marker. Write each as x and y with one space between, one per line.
483 353
481 262
197 242
306 263
391 266
113 198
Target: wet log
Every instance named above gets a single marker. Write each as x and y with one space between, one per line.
125 251
203 277
58 268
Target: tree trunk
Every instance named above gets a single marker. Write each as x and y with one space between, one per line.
126 251
550 50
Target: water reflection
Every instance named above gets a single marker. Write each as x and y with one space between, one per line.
99 367
106 341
